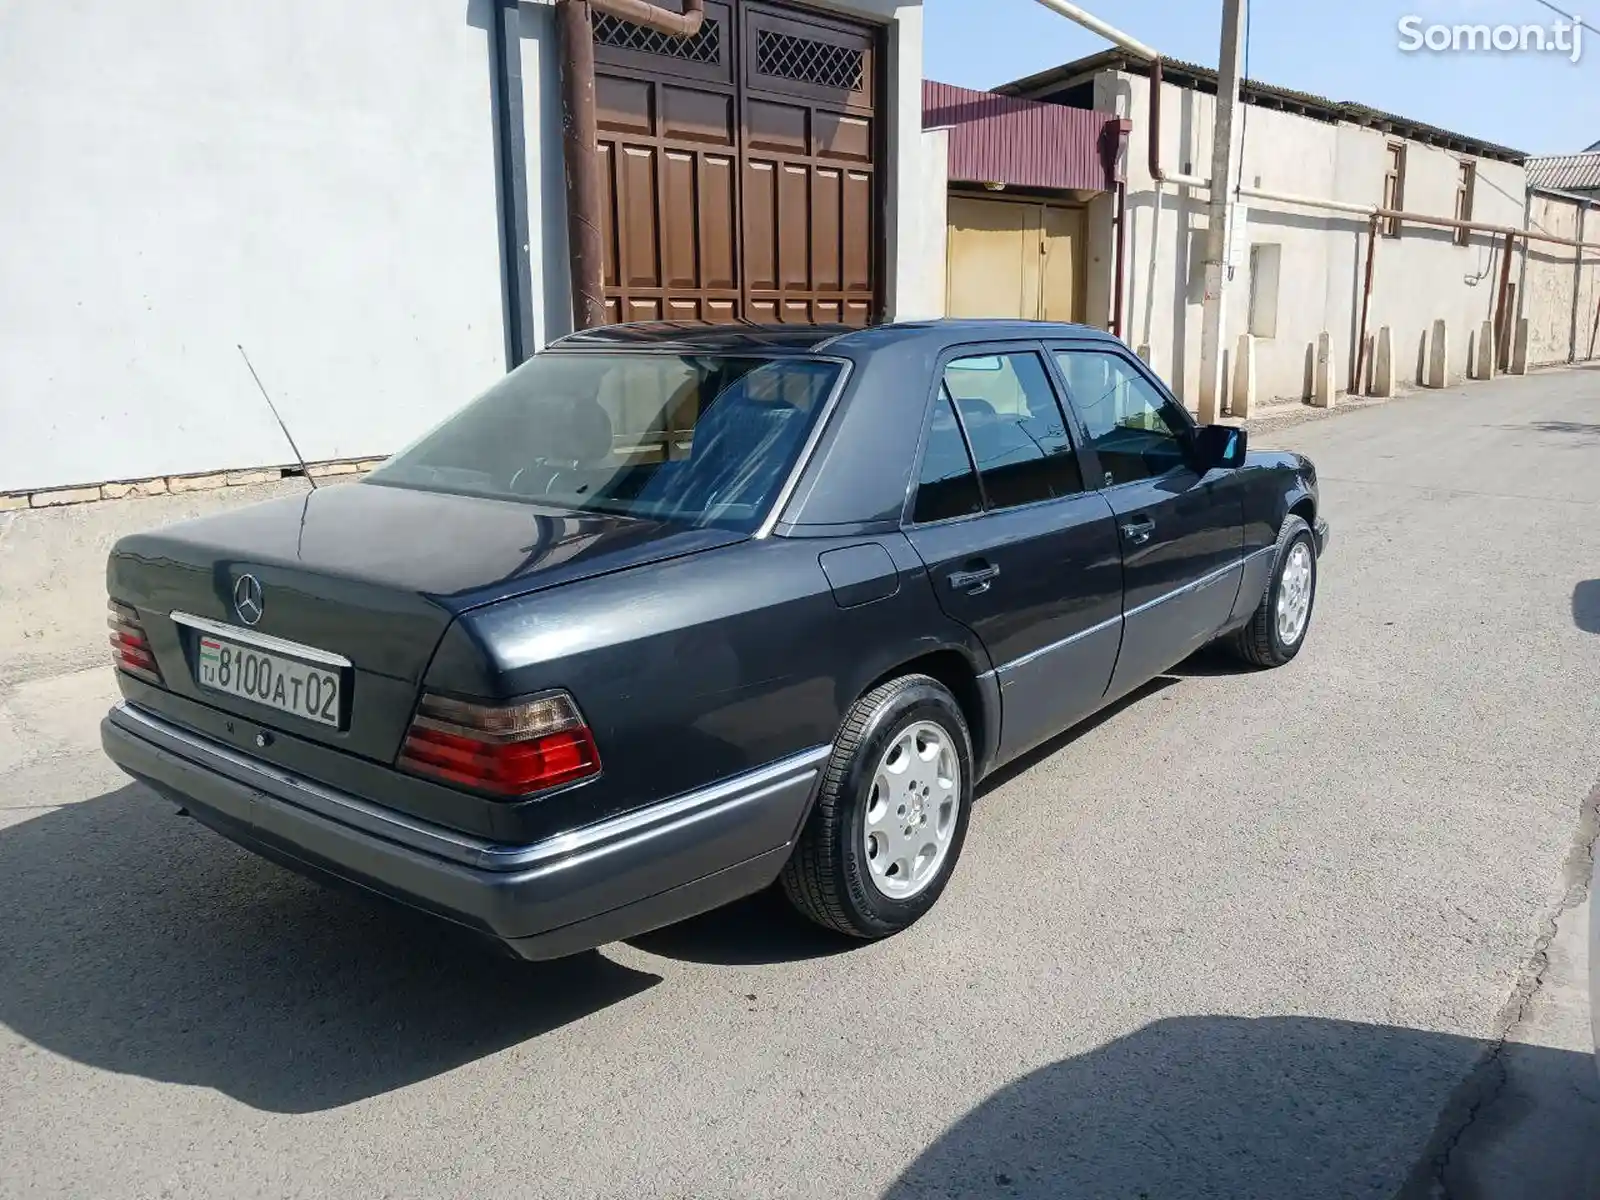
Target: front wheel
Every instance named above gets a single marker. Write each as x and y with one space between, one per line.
891 813
1278 627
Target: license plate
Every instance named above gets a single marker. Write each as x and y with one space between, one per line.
270 679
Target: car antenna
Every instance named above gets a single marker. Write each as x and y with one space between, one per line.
300 458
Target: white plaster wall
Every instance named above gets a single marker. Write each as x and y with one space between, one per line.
1418 278
924 290
315 181
1424 276
1561 304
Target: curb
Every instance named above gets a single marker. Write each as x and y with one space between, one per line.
172 485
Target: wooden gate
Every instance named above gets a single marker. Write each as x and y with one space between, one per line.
740 167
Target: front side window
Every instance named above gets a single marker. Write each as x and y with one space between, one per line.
1137 431
1015 426
694 439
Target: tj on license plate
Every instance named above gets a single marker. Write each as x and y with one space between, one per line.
270 679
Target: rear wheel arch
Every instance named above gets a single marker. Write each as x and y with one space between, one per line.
957 672
1306 509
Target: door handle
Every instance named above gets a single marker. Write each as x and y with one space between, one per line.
1139 530
975 582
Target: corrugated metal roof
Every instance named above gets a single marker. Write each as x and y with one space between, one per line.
1267 95
1022 143
1565 172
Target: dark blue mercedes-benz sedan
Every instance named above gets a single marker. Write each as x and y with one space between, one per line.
672 613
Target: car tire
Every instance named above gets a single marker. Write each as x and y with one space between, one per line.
842 872
1267 640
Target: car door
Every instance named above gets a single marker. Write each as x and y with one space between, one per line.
1181 531
1019 548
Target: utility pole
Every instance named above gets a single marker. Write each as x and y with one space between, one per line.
1225 154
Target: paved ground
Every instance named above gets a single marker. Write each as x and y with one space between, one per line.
1309 933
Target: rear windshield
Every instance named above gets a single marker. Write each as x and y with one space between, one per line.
696 439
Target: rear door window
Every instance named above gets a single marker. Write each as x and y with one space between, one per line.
947 486
1016 428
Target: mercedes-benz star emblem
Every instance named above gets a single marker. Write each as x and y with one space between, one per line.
248 601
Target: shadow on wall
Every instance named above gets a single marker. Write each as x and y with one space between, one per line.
1586 612
1273 1108
136 941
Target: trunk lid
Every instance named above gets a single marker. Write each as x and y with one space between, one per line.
367 573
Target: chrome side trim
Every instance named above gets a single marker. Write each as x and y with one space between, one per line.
626 828
261 641
813 439
1061 645
1204 581
569 848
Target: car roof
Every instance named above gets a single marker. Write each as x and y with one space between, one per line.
750 338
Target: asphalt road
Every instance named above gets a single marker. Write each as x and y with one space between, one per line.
1315 932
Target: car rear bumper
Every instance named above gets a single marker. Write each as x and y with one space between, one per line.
568 893
1324 535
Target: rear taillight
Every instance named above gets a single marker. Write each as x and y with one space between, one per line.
130 649
510 750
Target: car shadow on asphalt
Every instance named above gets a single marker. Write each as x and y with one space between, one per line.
1586 606
763 929
1061 741
1277 1107
757 930
135 940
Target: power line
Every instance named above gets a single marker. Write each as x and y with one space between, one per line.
1569 16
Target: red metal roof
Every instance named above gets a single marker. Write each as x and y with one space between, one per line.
1004 139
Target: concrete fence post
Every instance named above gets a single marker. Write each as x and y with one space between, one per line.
1519 366
1243 400
1439 356
1322 393
1383 364
1483 360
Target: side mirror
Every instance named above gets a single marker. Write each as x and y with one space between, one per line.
1220 447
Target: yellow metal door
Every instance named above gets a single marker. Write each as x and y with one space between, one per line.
1062 275
1014 258
993 258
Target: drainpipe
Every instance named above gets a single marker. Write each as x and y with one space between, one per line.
506 38
581 136
1134 46
1122 256
1114 149
663 20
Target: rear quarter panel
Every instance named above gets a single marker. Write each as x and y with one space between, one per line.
695 670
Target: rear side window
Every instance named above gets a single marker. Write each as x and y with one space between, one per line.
1015 426
947 486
